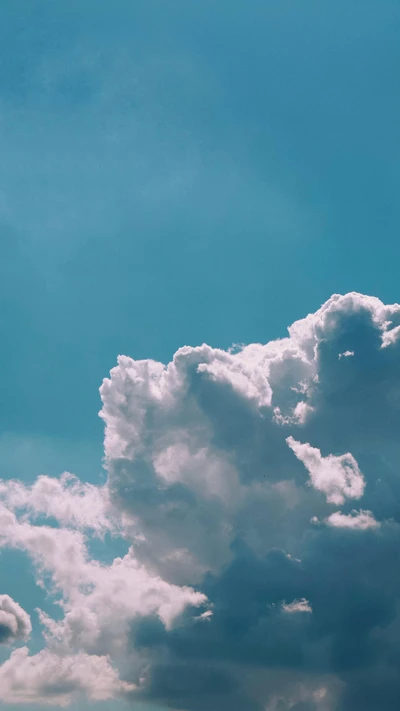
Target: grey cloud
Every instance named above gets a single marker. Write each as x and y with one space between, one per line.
261 532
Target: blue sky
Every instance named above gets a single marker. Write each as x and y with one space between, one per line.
174 173
184 172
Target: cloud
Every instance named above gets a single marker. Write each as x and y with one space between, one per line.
199 466
46 678
99 618
219 466
337 477
66 499
98 600
346 354
297 606
15 623
98 603
357 519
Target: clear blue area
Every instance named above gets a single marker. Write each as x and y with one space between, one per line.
178 172
174 172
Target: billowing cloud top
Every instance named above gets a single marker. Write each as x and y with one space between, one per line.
258 490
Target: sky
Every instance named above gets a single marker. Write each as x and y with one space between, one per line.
175 174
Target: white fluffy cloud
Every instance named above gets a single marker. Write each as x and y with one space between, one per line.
97 619
15 623
360 520
337 477
67 500
219 464
47 678
98 599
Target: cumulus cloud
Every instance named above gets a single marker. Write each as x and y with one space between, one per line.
47 678
15 623
337 477
98 599
357 519
219 465
67 500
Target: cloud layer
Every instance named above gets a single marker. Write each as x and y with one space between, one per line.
258 491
